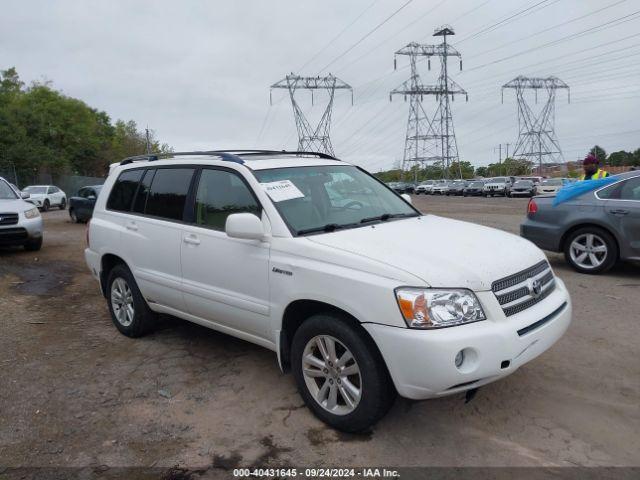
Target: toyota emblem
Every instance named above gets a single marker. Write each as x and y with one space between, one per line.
536 288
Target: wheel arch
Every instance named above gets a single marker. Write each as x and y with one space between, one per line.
107 262
300 310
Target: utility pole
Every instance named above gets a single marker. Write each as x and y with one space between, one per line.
537 139
430 139
312 139
147 140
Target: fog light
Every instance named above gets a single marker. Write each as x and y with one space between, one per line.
459 359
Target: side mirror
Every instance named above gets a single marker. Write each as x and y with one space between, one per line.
244 225
407 198
25 195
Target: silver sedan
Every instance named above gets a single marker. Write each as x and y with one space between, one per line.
594 230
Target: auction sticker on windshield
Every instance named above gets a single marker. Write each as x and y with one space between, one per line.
282 190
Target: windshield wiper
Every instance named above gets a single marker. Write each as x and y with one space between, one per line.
329 227
386 216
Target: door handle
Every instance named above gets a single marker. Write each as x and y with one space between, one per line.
191 240
619 212
132 226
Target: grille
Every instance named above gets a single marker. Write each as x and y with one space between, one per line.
8 218
10 235
515 293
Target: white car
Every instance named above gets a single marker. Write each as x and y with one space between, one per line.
358 293
440 188
424 187
550 185
497 186
46 196
20 221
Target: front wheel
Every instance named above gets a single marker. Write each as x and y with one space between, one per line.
591 250
45 206
340 373
33 245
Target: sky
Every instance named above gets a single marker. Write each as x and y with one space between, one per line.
198 72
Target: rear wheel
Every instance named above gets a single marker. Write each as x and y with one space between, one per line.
73 215
129 311
591 250
340 373
63 204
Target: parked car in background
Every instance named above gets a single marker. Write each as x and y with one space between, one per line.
81 206
549 185
249 245
440 188
473 188
594 230
424 187
497 186
397 187
535 180
20 221
46 196
522 188
456 187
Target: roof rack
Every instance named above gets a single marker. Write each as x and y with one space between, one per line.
225 155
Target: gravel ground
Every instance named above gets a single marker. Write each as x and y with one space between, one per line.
74 392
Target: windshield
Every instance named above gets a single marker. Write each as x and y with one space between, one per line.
476 184
6 192
523 183
552 182
36 190
326 198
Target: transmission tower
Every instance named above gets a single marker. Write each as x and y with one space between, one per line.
309 138
430 139
537 140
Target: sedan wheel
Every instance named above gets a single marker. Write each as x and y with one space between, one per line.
591 250
332 375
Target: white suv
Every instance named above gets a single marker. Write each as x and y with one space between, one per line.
359 294
46 196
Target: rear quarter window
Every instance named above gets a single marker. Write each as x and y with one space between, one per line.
123 190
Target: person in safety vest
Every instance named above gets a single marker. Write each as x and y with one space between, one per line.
591 169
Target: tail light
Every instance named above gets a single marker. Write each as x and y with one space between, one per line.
532 207
87 233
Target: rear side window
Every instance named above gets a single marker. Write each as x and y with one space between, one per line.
123 190
168 193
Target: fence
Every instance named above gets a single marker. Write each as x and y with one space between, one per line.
70 184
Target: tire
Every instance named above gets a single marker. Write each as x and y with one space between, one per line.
45 206
376 392
63 204
73 216
33 245
143 319
605 251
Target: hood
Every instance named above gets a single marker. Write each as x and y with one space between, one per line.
440 251
14 206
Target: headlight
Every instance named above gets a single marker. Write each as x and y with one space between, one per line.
435 308
32 213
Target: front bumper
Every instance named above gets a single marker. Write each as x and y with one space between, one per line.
26 230
422 362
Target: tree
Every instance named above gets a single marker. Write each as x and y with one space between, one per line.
598 152
44 131
482 172
461 167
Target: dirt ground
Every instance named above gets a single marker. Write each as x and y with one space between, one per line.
74 392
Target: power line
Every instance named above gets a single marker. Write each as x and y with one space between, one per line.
338 36
366 35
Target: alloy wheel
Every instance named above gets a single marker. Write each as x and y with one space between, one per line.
588 251
122 302
332 374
